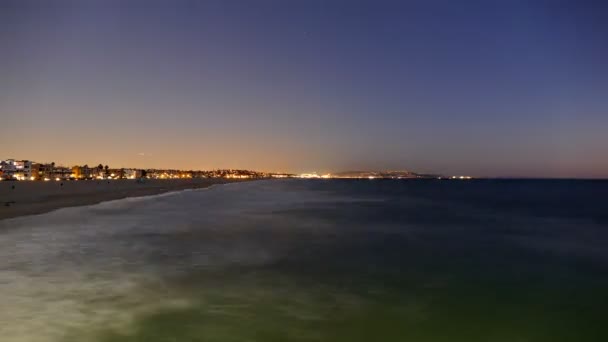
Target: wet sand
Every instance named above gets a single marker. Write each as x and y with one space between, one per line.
31 198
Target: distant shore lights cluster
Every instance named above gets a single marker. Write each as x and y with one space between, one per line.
314 175
27 170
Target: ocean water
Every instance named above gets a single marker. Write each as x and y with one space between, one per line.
295 260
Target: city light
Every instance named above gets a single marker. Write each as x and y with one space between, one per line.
309 175
25 170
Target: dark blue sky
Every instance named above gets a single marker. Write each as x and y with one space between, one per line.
497 88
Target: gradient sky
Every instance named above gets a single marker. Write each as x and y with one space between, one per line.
485 88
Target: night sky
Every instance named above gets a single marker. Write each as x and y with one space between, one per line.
482 88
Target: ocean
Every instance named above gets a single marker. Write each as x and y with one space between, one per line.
315 260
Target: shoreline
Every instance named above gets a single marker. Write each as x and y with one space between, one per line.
35 198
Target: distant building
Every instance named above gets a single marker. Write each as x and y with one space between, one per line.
84 172
35 171
8 168
42 171
19 169
133 173
60 172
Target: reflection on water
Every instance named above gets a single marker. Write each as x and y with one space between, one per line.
314 261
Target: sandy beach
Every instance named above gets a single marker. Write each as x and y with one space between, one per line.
30 198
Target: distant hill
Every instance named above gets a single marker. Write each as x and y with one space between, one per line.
381 174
